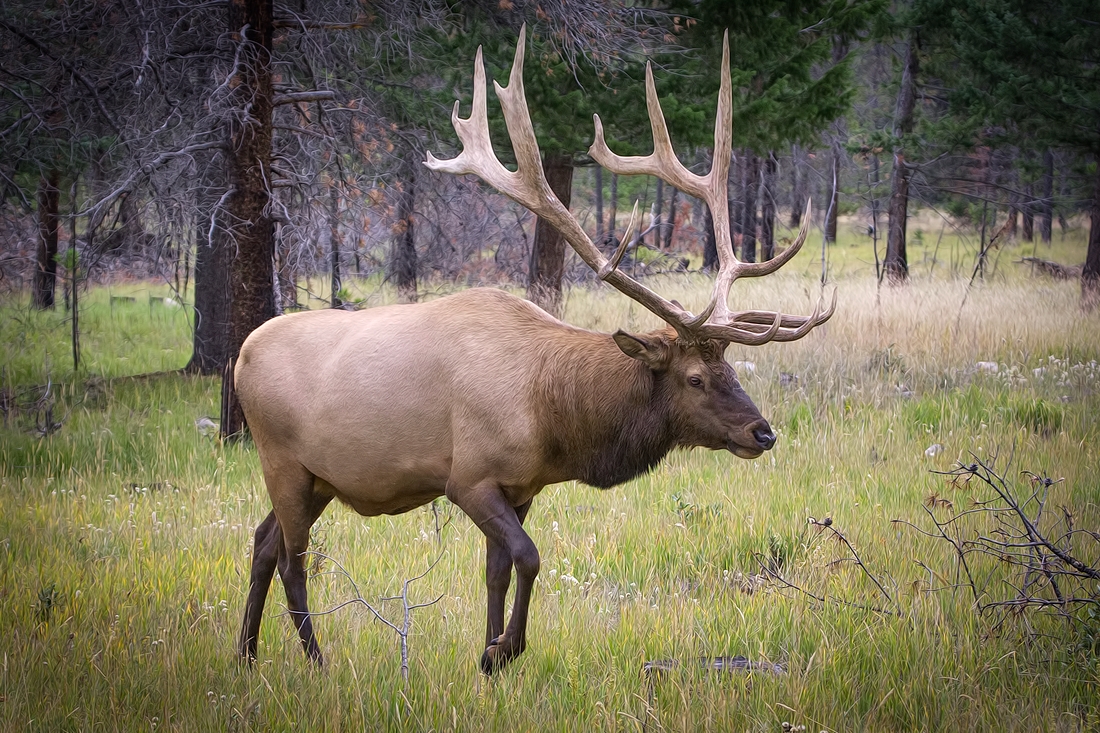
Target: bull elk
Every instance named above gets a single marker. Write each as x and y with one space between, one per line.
487 399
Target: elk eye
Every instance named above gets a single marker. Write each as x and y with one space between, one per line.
695 381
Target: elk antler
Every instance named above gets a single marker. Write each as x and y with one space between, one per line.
528 187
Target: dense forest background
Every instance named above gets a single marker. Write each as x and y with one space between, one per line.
255 155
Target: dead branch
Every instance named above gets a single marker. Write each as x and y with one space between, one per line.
1043 554
1051 269
827 524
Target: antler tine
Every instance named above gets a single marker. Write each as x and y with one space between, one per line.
662 162
612 264
757 269
748 327
477 155
528 186
712 187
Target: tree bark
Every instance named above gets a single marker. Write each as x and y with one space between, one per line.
875 181
1012 181
658 206
251 231
1046 206
613 206
599 205
548 251
832 211
404 261
748 214
45 274
767 209
213 259
74 276
1012 227
671 226
710 243
130 232
1090 273
286 273
1029 213
896 263
334 242
798 188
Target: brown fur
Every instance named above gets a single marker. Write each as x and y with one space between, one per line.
480 396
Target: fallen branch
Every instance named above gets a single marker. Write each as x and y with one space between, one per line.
1051 269
1047 556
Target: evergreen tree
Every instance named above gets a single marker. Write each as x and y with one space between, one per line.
1029 73
791 77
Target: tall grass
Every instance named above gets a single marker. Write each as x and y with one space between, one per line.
125 539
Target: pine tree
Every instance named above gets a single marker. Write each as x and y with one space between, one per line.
1029 73
790 79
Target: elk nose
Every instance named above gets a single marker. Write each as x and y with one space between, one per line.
765 438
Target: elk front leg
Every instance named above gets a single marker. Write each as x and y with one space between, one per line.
500 522
498 576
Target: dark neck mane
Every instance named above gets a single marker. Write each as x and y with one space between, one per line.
607 413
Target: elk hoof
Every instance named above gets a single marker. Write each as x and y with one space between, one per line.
498 654
491 659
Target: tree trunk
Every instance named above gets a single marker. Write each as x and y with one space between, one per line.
832 211
875 181
1090 273
671 226
74 276
613 206
767 209
213 260
599 205
1012 184
548 251
1046 206
404 260
1013 225
286 273
798 188
710 243
334 242
251 231
45 274
1029 213
130 232
896 264
748 214
658 205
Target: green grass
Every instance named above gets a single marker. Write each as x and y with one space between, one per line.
125 538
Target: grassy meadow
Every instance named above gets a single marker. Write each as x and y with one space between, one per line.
125 533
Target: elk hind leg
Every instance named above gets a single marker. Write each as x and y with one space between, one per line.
296 514
265 552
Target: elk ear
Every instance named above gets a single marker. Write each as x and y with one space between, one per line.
649 349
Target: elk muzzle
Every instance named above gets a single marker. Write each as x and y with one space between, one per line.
752 441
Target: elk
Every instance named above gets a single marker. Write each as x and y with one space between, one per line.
487 399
